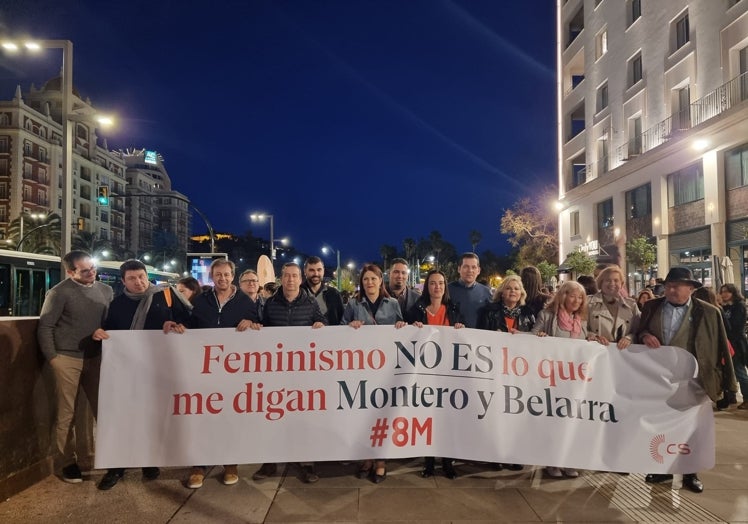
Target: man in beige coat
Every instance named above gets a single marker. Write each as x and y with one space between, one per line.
677 319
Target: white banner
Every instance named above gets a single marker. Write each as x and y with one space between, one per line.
217 396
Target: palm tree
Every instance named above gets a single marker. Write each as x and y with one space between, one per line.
437 244
40 236
388 252
89 242
475 238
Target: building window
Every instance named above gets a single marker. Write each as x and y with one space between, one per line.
636 10
602 154
576 25
686 185
578 171
635 134
639 201
574 223
601 43
743 55
635 69
576 121
602 97
605 214
682 31
736 167
682 114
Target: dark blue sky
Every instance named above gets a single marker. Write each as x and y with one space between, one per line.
356 123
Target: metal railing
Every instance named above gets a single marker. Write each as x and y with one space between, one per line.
723 98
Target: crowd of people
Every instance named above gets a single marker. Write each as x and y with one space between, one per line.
79 311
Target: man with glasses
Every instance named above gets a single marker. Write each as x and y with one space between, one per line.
73 310
249 283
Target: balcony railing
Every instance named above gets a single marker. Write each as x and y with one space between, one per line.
723 98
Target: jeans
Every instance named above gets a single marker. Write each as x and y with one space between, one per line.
741 374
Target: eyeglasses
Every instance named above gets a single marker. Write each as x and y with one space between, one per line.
251 281
87 270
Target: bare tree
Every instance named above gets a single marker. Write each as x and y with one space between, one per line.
532 227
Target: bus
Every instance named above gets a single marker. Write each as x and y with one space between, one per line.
25 279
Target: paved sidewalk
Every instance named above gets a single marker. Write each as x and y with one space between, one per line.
478 495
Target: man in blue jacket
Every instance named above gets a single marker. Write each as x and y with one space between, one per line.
469 295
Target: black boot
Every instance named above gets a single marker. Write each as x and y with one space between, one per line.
448 468
111 478
428 467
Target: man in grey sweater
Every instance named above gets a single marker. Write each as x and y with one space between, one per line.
72 311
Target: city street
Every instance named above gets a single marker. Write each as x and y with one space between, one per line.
479 494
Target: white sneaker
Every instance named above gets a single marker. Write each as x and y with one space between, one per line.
553 472
570 472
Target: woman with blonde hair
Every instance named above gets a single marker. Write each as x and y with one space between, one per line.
613 315
508 311
565 316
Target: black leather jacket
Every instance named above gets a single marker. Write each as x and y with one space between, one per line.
418 313
491 317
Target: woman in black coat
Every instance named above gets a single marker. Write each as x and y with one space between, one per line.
733 311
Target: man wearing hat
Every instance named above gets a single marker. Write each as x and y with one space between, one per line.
677 319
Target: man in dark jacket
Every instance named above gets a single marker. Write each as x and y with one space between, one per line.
679 320
398 285
328 298
141 306
290 306
222 306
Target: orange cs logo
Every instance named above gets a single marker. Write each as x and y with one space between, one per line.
658 443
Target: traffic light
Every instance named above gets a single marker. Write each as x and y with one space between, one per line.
104 195
81 224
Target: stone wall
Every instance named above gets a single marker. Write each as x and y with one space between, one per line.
27 410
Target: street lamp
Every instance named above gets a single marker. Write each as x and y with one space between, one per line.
326 250
24 237
66 86
32 216
260 217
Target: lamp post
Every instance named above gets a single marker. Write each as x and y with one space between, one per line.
24 237
32 216
66 87
261 217
326 250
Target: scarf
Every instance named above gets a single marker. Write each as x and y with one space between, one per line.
146 299
510 312
570 323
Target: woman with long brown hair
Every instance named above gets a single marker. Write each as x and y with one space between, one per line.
373 306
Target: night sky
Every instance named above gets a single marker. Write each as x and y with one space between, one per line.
355 123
